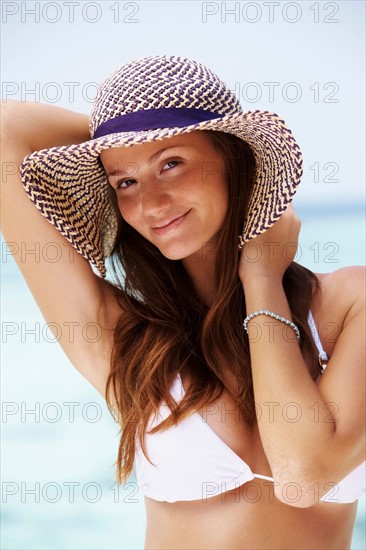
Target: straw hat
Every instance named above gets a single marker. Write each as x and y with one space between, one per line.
150 99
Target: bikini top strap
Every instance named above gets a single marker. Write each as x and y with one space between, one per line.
322 357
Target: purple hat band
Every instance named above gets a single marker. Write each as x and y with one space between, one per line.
149 119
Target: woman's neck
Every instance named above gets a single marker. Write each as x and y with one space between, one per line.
202 272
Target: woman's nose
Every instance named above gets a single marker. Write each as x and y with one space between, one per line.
154 198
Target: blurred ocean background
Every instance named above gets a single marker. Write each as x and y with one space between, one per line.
59 441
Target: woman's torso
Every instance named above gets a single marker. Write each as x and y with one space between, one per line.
250 516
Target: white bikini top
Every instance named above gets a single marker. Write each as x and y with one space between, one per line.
193 463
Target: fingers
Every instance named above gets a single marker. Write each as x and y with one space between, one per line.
290 213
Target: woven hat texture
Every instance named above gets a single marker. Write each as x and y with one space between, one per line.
69 186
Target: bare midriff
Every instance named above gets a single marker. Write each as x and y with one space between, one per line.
237 520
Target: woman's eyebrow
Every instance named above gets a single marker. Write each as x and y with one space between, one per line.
117 170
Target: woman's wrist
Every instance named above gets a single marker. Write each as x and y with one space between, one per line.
265 292
260 279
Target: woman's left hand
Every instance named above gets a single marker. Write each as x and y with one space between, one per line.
269 254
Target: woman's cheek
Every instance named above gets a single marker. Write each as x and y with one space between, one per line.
125 213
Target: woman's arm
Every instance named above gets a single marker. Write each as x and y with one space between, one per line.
40 126
67 291
307 442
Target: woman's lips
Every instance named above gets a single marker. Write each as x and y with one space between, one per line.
170 226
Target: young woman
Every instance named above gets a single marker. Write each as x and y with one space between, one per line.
243 422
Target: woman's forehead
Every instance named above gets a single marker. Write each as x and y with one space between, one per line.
151 149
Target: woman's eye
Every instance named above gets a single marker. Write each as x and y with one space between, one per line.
172 162
119 184
125 184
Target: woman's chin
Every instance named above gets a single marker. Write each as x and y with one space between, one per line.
177 252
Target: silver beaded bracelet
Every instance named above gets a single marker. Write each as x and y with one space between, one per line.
275 316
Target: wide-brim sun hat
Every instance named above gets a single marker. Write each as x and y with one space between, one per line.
151 99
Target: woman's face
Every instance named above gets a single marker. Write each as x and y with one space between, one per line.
178 180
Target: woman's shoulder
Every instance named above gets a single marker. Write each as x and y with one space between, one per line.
341 296
343 286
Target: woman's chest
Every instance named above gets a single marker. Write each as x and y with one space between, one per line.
224 418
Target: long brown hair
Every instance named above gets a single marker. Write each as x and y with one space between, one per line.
165 327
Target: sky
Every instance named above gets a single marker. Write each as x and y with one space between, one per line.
303 60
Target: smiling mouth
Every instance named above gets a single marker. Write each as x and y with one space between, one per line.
168 223
171 225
